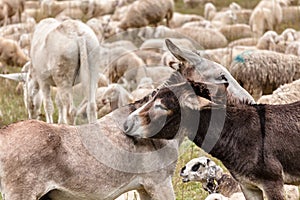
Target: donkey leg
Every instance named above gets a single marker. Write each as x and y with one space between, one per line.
144 195
48 104
252 193
274 190
162 190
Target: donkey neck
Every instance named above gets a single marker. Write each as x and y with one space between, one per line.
235 138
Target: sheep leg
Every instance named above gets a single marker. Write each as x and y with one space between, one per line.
274 190
48 104
252 193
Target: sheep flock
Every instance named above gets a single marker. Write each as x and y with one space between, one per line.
258 43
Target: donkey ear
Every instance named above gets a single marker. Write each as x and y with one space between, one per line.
182 55
199 103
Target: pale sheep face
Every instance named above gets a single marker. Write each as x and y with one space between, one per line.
199 169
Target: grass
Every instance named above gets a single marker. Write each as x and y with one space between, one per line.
12 107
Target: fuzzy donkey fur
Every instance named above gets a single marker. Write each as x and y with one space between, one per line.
258 144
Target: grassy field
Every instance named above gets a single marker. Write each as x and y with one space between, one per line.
12 107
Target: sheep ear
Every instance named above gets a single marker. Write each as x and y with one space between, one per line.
207 161
182 54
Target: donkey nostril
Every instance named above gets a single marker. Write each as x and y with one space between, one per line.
125 126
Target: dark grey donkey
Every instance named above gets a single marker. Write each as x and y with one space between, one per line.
259 144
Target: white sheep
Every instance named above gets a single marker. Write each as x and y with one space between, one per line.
250 41
290 14
195 3
243 15
116 95
102 7
287 93
120 12
9 8
236 31
159 45
293 48
206 37
179 19
202 24
147 12
149 57
144 87
262 71
209 11
219 55
265 16
267 40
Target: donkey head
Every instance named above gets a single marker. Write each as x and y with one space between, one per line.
198 69
161 116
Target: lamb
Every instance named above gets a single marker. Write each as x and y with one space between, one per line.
212 177
76 61
116 95
265 16
108 99
261 71
204 170
287 93
206 37
147 12
11 53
